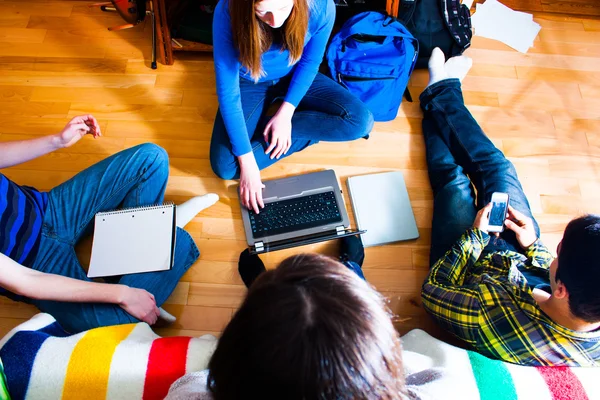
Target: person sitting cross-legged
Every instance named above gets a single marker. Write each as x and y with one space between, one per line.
39 231
503 294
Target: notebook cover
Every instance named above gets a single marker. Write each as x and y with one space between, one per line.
133 241
382 207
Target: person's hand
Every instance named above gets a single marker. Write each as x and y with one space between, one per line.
140 304
522 226
77 128
251 185
482 219
278 133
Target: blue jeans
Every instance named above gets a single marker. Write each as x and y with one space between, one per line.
465 168
131 178
327 112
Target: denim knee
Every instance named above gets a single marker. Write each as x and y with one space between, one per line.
224 168
155 156
360 120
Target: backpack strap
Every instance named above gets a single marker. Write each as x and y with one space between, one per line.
458 21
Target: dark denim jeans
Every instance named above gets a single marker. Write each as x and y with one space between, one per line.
327 112
465 168
131 178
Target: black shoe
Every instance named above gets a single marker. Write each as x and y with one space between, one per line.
250 267
352 249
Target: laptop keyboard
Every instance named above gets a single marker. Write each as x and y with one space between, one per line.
295 214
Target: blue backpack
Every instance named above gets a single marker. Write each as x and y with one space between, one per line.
373 56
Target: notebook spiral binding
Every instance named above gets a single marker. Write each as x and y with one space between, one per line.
145 208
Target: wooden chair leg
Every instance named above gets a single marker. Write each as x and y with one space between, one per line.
153 22
163 35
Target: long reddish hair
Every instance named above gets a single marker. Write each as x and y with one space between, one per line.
253 37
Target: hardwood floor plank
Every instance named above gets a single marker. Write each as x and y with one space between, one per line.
568 36
51 9
21 35
79 65
216 272
16 63
199 318
216 295
180 294
591 25
15 94
141 112
137 94
34 109
71 80
508 57
558 75
160 129
14 21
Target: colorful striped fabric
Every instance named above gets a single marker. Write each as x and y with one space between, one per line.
465 375
130 362
42 361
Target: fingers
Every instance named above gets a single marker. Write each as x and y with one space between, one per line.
272 145
267 130
82 127
485 211
259 197
272 142
89 121
512 226
254 202
517 216
279 149
245 195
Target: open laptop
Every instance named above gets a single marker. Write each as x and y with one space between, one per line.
299 210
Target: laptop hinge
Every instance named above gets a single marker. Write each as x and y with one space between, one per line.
259 247
340 230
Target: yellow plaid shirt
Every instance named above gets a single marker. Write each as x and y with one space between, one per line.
483 299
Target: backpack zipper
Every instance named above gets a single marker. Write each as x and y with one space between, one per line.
350 78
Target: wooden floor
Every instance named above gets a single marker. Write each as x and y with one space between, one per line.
58 60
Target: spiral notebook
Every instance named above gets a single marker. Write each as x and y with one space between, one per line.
133 241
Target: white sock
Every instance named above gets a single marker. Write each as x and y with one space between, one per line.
188 210
164 320
440 69
166 316
458 67
437 72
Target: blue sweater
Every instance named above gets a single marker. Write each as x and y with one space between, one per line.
275 65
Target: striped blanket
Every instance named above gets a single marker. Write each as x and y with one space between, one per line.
130 362
437 370
42 361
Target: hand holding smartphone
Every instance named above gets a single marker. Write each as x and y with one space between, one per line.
498 212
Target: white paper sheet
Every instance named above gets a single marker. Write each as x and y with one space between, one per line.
494 20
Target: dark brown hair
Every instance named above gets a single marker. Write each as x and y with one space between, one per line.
253 37
309 329
579 266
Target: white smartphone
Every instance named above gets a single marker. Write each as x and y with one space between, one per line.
498 213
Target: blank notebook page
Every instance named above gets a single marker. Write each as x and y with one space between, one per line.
132 241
